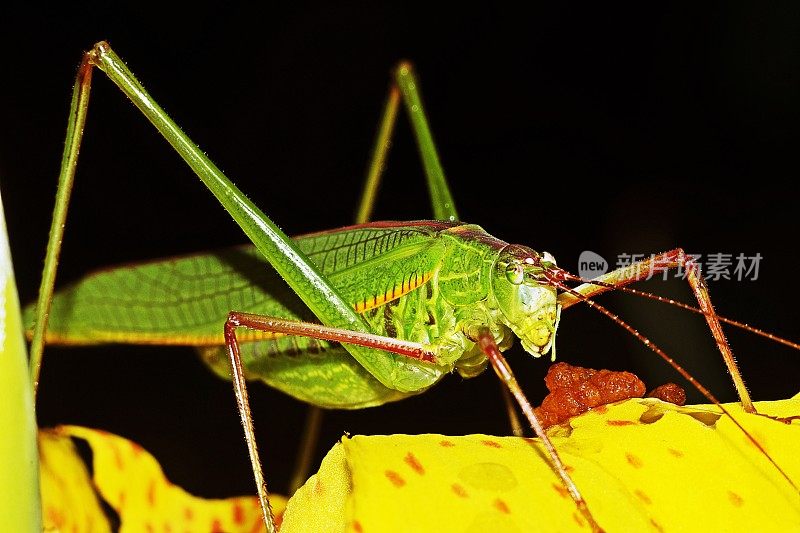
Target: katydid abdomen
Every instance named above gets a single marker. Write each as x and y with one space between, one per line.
424 282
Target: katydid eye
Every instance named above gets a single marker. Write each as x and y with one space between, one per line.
515 274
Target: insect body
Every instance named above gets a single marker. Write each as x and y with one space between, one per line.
432 283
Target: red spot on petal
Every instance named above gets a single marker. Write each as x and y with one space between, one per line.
633 460
460 491
577 518
216 526
642 496
151 493
736 500
319 488
414 463
121 498
501 506
395 478
188 514
357 526
53 516
600 409
561 490
447 443
656 525
258 525
238 514
620 422
491 443
674 452
117 456
148 527
136 449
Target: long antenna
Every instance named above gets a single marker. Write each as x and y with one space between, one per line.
687 307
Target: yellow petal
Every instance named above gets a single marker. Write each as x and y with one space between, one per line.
320 504
642 465
68 500
131 481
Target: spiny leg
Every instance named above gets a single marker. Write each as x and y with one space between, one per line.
503 371
289 327
666 261
243 404
79 106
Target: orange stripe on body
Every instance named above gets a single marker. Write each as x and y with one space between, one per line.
406 286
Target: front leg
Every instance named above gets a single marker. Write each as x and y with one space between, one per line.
289 327
413 350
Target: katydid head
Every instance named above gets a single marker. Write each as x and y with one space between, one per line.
525 298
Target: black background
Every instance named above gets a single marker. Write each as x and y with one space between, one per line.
566 128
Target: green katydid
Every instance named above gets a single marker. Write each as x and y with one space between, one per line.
409 301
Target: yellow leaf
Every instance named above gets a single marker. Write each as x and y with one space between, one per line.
642 465
131 481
